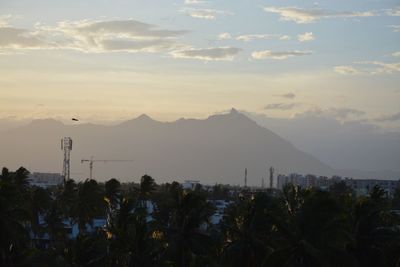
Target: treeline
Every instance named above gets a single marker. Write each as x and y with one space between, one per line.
293 227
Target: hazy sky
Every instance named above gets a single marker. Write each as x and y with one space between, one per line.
105 60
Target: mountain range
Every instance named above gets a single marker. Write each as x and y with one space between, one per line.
212 150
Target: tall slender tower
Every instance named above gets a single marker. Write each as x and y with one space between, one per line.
271 177
245 177
66 146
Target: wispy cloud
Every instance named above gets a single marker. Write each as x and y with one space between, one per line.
395 12
382 67
92 36
369 67
15 38
302 15
281 106
389 117
287 95
305 37
340 113
396 54
396 28
207 14
5 20
267 54
193 2
346 70
208 54
252 37
224 36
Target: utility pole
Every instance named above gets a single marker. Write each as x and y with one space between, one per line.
66 146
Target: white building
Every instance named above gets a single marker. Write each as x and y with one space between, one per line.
190 184
45 179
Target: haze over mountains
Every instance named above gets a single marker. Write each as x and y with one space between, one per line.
351 146
216 149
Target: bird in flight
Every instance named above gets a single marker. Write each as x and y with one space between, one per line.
74 119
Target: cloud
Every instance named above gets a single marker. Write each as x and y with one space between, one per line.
193 2
208 54
395 12
207 14
92 36
278 54
15 38
5 20
287 95
371 67
382 67
346 70
396 28
396 54
389 117
224 36
252 37
302 15
305 37
281 106
340 113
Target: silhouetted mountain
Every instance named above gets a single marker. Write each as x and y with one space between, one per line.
216 149
350 146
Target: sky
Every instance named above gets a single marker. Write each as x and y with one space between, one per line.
108 60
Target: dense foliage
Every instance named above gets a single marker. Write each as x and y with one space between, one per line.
295 227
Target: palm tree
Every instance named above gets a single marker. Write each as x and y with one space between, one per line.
186 236
88 204
133 241
39 205
147 186
13 217
375 230
314 233
112 192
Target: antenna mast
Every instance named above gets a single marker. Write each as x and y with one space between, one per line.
245 177
271 177
66 146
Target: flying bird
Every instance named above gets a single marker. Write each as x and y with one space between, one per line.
75 119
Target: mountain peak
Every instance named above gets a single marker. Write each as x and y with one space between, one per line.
144 117
233 111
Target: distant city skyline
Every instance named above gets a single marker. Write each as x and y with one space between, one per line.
192 58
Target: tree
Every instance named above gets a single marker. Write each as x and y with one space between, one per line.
147 186
89 204
186 236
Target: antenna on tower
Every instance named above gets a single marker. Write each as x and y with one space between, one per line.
66 146
271 177
245 177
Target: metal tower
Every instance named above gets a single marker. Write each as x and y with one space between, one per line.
245 177
66 146
271 177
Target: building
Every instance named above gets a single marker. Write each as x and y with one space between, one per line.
362 187
190 184
45 180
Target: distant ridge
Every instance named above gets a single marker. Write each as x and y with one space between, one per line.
212 150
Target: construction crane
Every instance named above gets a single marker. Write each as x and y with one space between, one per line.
92 160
